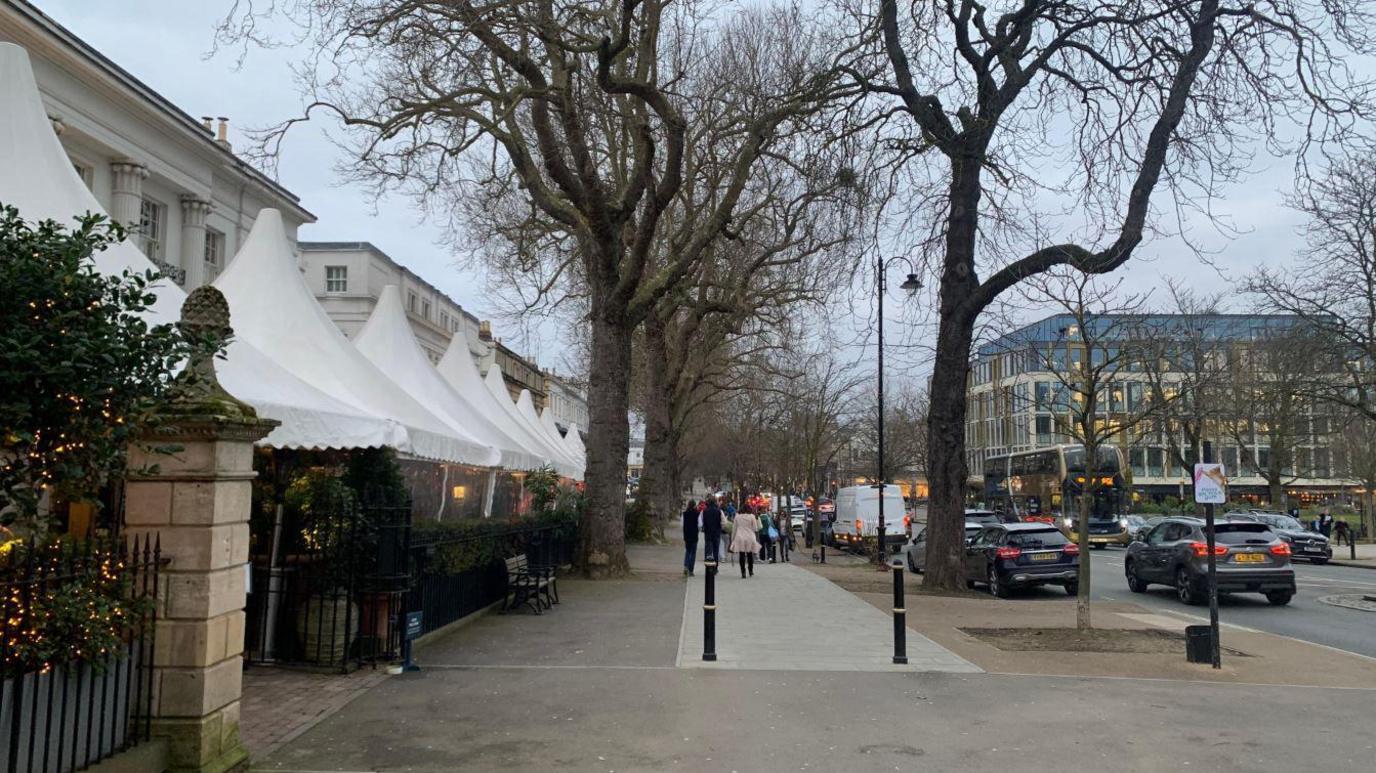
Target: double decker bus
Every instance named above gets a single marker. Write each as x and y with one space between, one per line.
1047 484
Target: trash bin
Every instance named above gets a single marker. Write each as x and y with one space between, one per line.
1198 644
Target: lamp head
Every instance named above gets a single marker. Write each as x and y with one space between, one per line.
911 285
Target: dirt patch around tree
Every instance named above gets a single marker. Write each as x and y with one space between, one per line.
1149 641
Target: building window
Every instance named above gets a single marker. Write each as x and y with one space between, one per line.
83 171
411 302
444 320
152 227
425 310
336 279
214 253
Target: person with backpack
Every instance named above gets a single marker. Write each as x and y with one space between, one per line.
767 535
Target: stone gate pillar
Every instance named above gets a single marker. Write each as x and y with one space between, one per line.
190 484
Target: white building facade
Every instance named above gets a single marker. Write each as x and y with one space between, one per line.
155 168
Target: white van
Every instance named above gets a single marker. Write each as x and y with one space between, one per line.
857 516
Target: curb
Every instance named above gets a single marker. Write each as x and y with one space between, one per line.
1351 563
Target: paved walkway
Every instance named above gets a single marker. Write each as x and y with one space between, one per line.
280 704
786 618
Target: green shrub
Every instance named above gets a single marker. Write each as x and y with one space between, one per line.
639 521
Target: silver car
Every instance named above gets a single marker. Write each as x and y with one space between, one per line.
1249 559
917 548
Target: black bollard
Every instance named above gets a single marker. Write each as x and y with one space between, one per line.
709 613
900 617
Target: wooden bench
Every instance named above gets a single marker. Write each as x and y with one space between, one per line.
529 585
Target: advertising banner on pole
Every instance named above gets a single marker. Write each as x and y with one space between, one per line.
1210 484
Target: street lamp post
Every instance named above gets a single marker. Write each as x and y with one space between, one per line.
911 285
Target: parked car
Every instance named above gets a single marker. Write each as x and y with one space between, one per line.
1249 557
917 549
1005 556
1304 542
983 516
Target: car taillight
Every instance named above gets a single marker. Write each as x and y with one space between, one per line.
1008 552
1201 549
1280 549
1071 549
906 521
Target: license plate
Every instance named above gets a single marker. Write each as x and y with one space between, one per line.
1249 558
1045 556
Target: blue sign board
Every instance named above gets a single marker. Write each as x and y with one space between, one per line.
413 625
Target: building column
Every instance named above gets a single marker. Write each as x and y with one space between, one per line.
194 211
197 500
127 191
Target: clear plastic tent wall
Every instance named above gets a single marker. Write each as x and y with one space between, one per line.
38 179
275 311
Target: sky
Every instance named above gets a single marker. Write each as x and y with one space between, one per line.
167 45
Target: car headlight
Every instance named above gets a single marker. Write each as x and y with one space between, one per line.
1123 522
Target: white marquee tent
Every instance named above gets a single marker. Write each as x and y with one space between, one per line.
39 180
552 429
525 406
274 309
386 339
500 397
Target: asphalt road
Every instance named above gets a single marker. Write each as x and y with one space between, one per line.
1305 618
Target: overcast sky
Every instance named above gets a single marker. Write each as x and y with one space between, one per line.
165 43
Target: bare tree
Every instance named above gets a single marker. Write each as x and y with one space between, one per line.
1357 461
568 126
1184 361
1268 402
1140 94
1100 397
1334 289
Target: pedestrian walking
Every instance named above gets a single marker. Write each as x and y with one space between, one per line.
767 536
711 531
743 540
784 524
1325 522
1341 531
691 520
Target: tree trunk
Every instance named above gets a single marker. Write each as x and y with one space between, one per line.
604 524
947 470
657 480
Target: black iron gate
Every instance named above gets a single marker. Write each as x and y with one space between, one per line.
328 587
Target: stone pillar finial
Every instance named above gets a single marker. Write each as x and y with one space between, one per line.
205 323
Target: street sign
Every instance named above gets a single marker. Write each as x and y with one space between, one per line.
413 625
1210 484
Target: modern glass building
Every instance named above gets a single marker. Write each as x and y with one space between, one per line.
1018 388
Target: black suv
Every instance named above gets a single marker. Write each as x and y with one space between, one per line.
1248 556
1005 556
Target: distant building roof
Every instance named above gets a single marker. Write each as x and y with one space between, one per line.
1221 327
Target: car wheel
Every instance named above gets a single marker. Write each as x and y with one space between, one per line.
997 587
1280 598
1135 584
1072 588
1184 589
1318 561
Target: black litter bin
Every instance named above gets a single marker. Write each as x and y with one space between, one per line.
1199 644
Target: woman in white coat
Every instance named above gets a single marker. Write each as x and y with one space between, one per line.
743 541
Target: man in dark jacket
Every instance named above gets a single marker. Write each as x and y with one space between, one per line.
690 538
711 531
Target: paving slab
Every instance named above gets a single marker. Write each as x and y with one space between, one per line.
786 618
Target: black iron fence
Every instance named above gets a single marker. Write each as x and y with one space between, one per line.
460 572
77 621
327 588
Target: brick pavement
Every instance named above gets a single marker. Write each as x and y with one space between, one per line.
280 704
786 618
